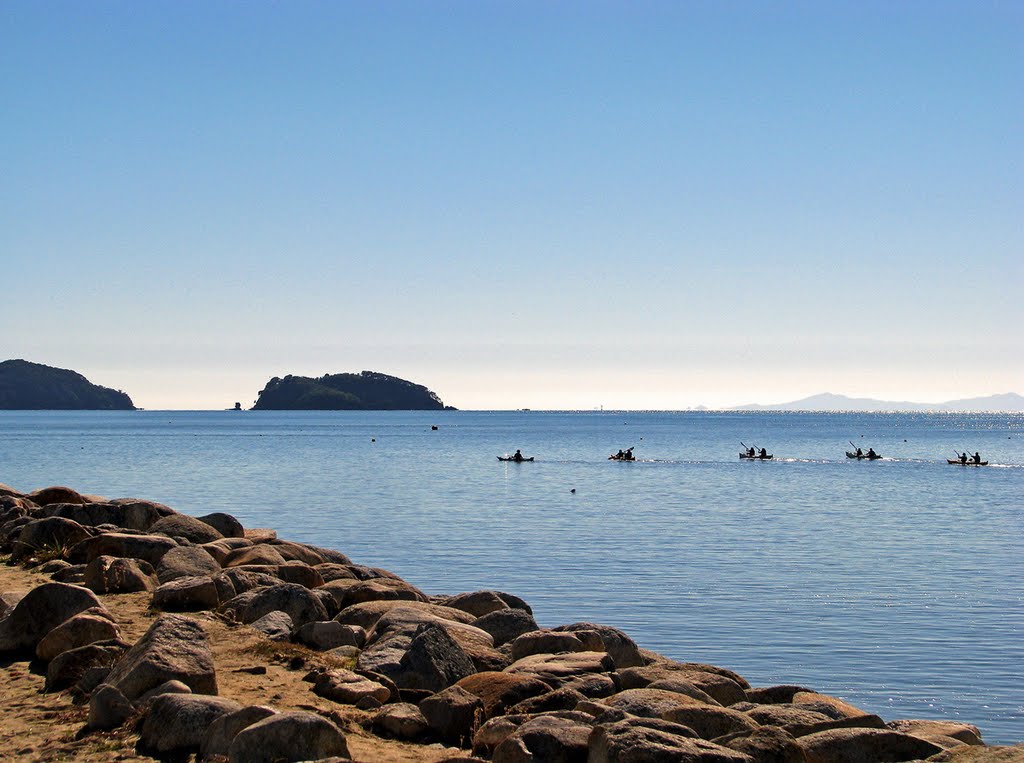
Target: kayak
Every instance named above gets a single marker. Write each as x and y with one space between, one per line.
862 455
958 462
768 457
514 460
622 458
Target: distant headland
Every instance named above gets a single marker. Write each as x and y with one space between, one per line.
33 386
1008 402
366 391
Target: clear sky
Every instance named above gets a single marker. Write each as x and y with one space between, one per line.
518 204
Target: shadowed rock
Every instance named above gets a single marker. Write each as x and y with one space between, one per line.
108 574
52 535
79 630
218 737
505 625
621 647
766 745
186 594
857 745
149 548
646 740
288 736
184 526
69 667
499 691
225 524
547 738
453 714
300 604
179 722
40 611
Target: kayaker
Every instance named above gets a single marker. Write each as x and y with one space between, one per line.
871 453
518 456
629 454
751 452
963 457
977 457
620 455
860 453
764 453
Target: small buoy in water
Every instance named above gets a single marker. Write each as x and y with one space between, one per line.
433 428
573 491
373 439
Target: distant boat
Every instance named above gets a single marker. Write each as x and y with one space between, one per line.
958 462
515 460
757 456
861 456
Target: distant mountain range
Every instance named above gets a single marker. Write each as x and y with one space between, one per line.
1009 402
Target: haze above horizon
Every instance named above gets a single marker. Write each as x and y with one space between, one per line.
642 206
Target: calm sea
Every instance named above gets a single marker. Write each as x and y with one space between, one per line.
896 584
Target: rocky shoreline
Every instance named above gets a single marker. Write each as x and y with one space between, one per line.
130 631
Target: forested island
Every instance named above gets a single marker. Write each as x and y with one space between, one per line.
29 386
366 391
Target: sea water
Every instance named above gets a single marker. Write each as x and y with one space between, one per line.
895 584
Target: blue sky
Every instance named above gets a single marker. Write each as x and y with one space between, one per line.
637 205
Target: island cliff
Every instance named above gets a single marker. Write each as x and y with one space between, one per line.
33 386
366 391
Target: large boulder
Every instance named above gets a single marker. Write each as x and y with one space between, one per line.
547 738
40 611
652 703
639 740
53 536
259 554
433 661
130 516
505 625
621 647
218 737
963 732
179 722
546 641
402 720
296 600
174 648
299 573
56 494
149 548
558 670
184 526
241 580
187 594
109 574
69 667
329 635
499 691
186 562
276 626
225 524
453 714
349 688
710 721
724 686
291 736
768 744
108 708
823 703
856 745
79 630
367 614
477 603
